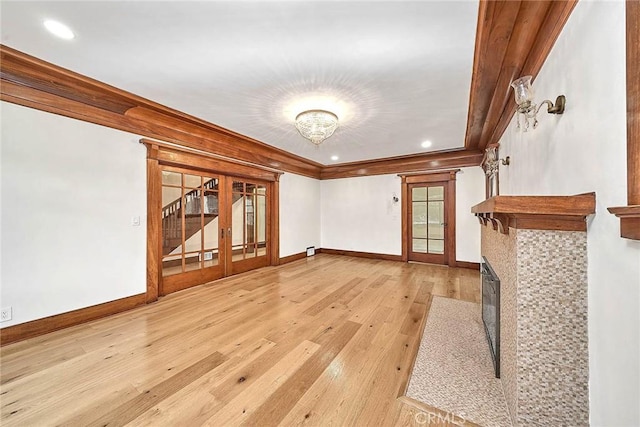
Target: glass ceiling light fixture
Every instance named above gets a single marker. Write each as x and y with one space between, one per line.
527 108
316 125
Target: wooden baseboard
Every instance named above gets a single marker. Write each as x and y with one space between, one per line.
469 265
294 257
43 326
370 255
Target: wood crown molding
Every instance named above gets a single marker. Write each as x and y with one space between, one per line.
43 326
566 213
630 215
420 163
513 39
35 83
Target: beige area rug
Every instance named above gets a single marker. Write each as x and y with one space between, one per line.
453 370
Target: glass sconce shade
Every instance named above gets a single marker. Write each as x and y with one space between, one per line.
523 90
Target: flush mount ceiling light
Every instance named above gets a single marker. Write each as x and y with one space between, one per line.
59 29
527 108
316 125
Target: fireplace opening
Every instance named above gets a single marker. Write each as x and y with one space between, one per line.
491 311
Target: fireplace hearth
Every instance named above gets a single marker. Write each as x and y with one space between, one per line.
491 311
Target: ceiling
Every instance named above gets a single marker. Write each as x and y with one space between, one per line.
396 73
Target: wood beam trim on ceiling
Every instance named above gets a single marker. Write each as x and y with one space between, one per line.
495 25
34 83
508 45
520 43
550 30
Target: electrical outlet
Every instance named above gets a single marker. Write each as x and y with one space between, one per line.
6 314
135 221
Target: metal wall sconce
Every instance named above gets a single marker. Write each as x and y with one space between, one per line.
527 108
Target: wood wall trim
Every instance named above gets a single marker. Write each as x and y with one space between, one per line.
469 265
35 83
177 156
630 215
291 258
513 39
564 213
432 176
415 163
629 221
371 255
154 224
275 222
43 326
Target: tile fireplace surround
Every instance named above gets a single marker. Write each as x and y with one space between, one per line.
537 246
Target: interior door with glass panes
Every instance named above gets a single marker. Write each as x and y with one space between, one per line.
427 222
192 221
247 235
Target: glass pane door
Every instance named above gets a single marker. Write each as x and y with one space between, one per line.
190 228
427 222
248 226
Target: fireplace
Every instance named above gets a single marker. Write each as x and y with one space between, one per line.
491 311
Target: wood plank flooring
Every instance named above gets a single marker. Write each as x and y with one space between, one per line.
326 340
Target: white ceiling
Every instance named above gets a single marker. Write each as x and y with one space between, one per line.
396 73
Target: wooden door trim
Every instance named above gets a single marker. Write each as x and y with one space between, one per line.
448 176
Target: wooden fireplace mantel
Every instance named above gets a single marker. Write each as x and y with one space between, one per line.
566 213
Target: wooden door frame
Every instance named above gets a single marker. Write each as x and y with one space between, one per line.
158 154
448 176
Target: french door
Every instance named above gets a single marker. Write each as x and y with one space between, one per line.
212 226
427 220
428 217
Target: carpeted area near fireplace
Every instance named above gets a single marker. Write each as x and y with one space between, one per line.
453 369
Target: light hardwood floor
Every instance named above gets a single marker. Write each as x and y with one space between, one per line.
327 340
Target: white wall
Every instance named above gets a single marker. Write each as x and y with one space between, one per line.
69 192
299 214
358 214
470 190
585 150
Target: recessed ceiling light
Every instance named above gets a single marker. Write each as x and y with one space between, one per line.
334 158
59 29
426 144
